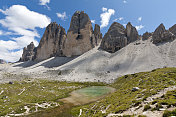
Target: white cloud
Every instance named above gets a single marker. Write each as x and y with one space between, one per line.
139 27
44 2
124 1
1 32
93 21
120 19
105 16
22 23
140 19
63 15
104 9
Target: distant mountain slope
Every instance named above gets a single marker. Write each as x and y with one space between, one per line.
100 66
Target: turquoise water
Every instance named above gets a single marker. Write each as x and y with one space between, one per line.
95 91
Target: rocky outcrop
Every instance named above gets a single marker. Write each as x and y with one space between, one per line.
173 29
28 53
162 35
51 43
2 61
80 37
146 35
131 33
118 37
114 39
97 34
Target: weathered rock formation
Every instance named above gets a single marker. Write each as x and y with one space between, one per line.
146 35
173 29
51 43
114 39
131 33
2 61
118 37
28 53
80 37
162 35
97 34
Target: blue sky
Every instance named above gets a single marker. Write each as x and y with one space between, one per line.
23 21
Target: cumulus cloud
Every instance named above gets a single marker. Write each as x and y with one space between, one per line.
139 27
93 21
63 15
106 16
22 23
140 19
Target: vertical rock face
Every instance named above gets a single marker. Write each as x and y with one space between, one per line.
162 35
131 32
146 35
97 34
51 43
28 53
173 29
80 38
114 39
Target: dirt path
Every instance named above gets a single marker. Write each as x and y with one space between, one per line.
139 110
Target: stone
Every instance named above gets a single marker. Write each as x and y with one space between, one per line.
114 39
80 37
2 61
52 42
135 89
131 33
97 34
11 82
28 53
161 35
146 36
173 29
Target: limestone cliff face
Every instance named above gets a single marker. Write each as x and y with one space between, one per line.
51 43
173 29
118 37
146 35
80 38
28 53
97 34
131 33
161 35
114 39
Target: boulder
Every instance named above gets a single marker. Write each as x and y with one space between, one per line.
52 42
97 34
146 35
131 33
28 53
114 39
80 37
135 89
161 35
2 61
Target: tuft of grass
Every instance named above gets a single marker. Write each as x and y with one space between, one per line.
169 113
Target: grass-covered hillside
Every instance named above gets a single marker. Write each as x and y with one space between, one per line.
42 97
149 83
29 96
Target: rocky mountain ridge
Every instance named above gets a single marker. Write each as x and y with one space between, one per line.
81 38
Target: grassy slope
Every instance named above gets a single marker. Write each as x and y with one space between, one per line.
148 82
36 91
